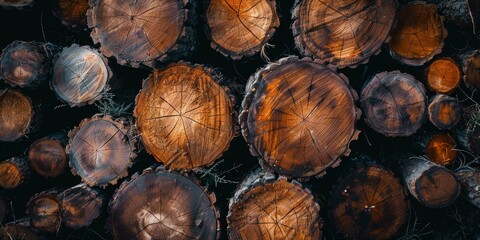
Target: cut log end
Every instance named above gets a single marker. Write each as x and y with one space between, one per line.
80 205
72 12
16 113
441 149
370 203
16 3
165 205
418 35
18 231
186 119
47 157
13 172
444 112
394 104
471 69
44 211
443 75
342 33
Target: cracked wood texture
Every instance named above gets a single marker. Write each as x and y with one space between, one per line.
394 104
185 117
369 203
16 3
18 231
162 205
80 75
100 151
444 112
418 35
432 185
80 205
342 32
44 211
240 28
16 113
442 149
138 31
47 157
471 69
13 172
299 116
72 12
443 75
469 179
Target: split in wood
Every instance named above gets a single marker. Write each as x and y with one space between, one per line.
16 114
44 211
80 205
13 172
443 75
47 157
442 149
444 111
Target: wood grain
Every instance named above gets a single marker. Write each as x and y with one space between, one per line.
13 172
444 112
47 157
80 205
442 149
16 113
443 75
72 12
44 211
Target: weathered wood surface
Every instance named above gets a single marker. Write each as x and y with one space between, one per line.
72 12
444 112
471 69
80 206
47 157
394 103
185 117
442 149
469 179
16 114
19 230
298 117
342 33
44 211
443 75
13 172
162 205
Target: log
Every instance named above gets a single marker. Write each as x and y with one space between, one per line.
162 205
444 112
80 205
16 114
298 117
16 3
13 172
342 33
140 32
419 34
240 29
394 103
26 64
47 157
185 117
469 179
19 230
442 149
471 68
100 150
432 185
44 211
443 75
72 13
264 207
80 75
369 203
462 13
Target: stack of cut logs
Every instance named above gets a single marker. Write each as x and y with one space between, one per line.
299 115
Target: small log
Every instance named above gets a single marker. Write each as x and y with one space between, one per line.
239 29
100 150
163 205
369 203
442 149
47 157
394 104
463 13
185 117
44 211
342 33
444 111
19 230
16 114
469 179
140 32
13 172
80 75
299 117
443 75
471 68
267 208
72 13
26 64
419 34
431 184
80 205
16 3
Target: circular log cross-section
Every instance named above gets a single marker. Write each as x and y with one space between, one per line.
418 35
80 75
162 205
469 179
18 231
394 104
276 210
444 112
16 113
140 31
299 116
80 205
185 117
441 149
44 211
72 12
47 157
342 33
13 172
370 203
100 151
471 69
241 28
16 3
443 75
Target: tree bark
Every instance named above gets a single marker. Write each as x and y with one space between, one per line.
44 211
13 172
443 75
47 157
444 112
469 179
471 68
16 115
80 205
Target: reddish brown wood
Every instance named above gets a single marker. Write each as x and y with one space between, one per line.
47 157
16 114
16 3
13 172
19 230
44 211
72 12
469 179
442 149
80 205
443 75
162 205
444 112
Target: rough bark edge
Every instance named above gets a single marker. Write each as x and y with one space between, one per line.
218 79
123 126
51 193
469 179
274 25
34 120
420 61
425 75
23 168
98 197
185 43
250 91
434 101
466 59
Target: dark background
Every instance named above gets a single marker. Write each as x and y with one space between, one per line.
458 221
